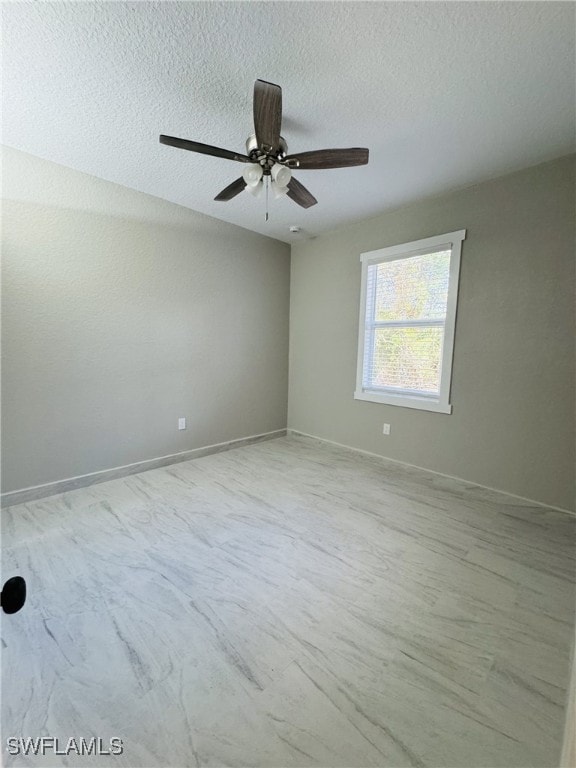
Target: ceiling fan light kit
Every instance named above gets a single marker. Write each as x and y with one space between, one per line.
267 153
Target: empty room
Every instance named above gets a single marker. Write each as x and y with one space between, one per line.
288 384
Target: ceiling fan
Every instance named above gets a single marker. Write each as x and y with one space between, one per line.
267 153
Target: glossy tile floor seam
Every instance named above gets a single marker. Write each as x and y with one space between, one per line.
290 603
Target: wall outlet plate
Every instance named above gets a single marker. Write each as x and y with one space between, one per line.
386 429
182 423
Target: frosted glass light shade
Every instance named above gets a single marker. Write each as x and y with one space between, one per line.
281 174
252 174
255 189
278 190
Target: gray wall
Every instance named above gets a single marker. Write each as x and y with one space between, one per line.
513 393
122 312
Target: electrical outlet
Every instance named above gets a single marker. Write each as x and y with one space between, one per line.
386 429
182 423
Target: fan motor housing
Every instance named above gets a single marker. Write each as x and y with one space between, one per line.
257 154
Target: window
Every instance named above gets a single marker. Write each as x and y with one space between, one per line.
407 319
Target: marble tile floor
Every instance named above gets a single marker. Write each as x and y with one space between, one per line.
290 603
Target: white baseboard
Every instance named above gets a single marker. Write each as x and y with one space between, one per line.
81 481
291 431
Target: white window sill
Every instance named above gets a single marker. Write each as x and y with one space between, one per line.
421 403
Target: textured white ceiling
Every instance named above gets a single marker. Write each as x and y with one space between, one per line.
443 94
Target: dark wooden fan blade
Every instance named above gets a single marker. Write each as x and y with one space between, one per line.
300 194
232 190
267 115
328 158
204 149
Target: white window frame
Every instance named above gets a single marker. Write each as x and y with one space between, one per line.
441 403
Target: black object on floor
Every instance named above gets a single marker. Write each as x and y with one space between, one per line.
13 595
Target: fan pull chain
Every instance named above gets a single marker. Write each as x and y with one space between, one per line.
266 198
